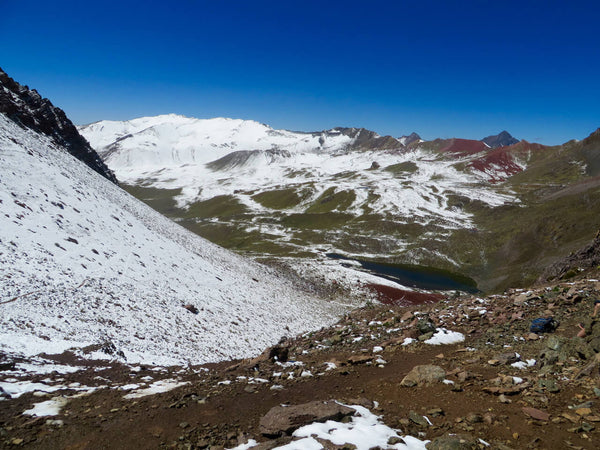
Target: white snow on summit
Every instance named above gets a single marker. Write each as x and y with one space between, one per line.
174 152
84 263
167 140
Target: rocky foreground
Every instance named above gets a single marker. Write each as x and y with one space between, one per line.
462 373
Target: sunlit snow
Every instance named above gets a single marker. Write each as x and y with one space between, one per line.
85 264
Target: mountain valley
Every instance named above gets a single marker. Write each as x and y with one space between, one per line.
374 292
456 205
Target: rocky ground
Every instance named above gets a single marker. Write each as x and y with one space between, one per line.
485 378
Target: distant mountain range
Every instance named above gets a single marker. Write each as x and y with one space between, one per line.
455 204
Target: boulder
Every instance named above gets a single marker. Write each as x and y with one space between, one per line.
425 326
282 420
453 442
425 374
507 358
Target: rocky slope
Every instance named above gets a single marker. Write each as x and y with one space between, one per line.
421 376
88 267
28 109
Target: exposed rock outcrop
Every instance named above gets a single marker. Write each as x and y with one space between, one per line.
586 258
503 139
28 109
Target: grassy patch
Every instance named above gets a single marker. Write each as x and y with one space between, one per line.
281 198
219 206
330 200
323 221
162 200
402 168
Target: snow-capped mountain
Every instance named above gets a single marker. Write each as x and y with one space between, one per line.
456 204
334 190
84 265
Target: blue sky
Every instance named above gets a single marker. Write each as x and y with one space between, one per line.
440 68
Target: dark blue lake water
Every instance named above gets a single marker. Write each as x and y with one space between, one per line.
415 276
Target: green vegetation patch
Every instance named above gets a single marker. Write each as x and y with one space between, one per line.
219 206
402 168
330 200
161 200
322 221
281 198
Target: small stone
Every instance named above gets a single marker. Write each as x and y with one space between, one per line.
493 362
507 358
202 443
532 337
453 441
504 399
583 411
550 385
395 440
16 441
406 316
536 414
515 436
56 423
570 417
184 425
440 356
359 359
587 427
435 412
418 419
593 418
474 418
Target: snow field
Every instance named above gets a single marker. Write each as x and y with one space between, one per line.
83 263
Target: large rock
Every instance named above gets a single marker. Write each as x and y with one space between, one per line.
453 442
282 420
425 374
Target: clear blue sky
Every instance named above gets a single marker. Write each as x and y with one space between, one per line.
440 68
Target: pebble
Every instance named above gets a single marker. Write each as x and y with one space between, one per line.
583 411
504 399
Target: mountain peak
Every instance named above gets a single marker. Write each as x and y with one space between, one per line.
412 137
503 139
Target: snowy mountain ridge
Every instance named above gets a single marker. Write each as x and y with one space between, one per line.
272 184
173 139
85 264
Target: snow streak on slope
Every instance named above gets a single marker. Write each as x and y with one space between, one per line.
83 263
